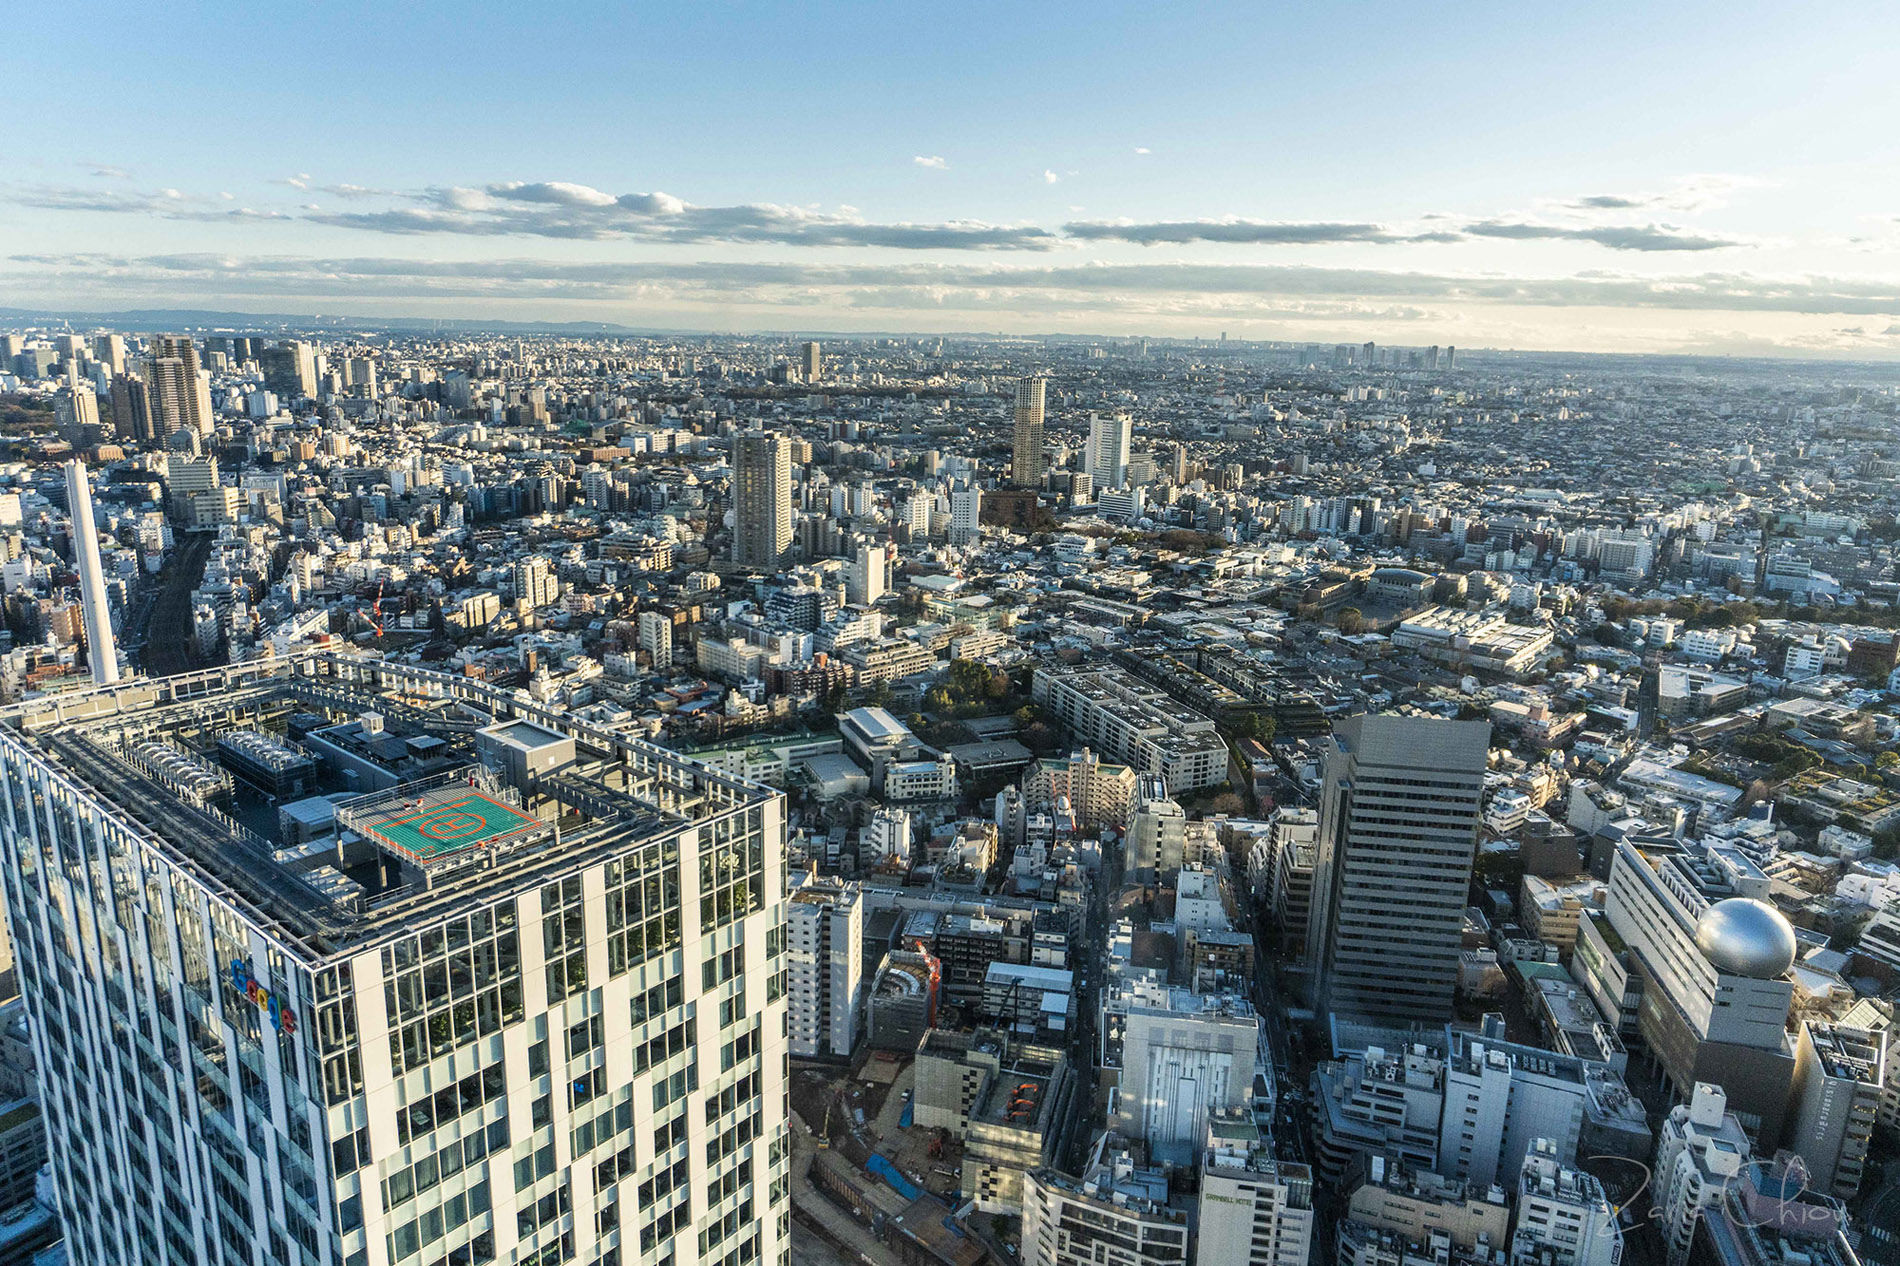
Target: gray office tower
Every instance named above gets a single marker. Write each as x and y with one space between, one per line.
1398 827
503 986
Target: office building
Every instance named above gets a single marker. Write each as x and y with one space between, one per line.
102 653
1399 813
290 370
1716 964
1563 1217
824 972
189 483
814 362
966 515
454 1031
109 350
762 500
1295 839
868 577
1115 1215
1839 1082
1109 438
1402 1216
179 393
1254 1210
1183 1058
1025 468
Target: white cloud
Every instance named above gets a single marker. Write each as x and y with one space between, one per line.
1049 177
1143 149
936 162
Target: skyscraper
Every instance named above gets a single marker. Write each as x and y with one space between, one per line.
449 1032
1026 452
1109 437
814 362
101 652
109 350
131 408
1399 816
762 499
179 397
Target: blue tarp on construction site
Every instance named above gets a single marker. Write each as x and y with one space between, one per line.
888 1172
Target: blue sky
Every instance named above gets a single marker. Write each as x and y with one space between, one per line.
1617 177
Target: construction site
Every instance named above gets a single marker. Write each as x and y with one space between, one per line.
925 1154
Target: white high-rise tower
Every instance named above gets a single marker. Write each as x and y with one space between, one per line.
101 652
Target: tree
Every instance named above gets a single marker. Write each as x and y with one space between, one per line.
1351 621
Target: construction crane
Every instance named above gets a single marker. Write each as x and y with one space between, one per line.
375 613
824 1135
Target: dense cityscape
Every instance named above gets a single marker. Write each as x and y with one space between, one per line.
944 800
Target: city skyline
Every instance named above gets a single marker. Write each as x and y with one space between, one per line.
1483 180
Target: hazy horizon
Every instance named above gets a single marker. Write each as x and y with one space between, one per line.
1702 180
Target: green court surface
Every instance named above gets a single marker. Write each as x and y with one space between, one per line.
448 821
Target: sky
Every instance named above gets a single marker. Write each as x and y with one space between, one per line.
1688 177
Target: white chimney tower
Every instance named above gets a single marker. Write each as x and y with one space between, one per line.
100 650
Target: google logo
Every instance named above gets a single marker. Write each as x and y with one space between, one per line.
282 1014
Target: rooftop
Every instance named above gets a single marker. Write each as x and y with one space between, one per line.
411 851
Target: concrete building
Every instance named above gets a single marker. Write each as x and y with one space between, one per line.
1701 1151
1715 961
1839 1082
1399 814
1109 439
1767 1217
656 638
1254 1210
1378 1102
1025 467
535 583
177 391
1157 828
1129 720
102 652
451 1032
762 500
903 1002
824 966
1184 1058
1400 1216
966 515
1295 837
1562 1217
1115 1215
1097 793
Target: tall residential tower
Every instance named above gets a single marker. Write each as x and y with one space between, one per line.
762 499
178 395
1025 469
